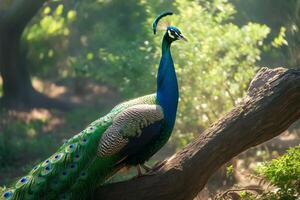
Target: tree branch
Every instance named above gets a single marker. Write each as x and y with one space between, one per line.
270 107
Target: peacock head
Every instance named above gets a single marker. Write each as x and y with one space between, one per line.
172 33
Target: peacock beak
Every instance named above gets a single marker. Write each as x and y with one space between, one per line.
181 37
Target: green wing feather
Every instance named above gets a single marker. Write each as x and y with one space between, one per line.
74 170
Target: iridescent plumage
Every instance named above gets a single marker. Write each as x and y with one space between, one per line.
128 135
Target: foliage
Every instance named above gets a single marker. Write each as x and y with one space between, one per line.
46 37
229 170
278 15
114 50
280 39
215 66
121 51
284 173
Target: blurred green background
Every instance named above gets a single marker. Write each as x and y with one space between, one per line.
91 55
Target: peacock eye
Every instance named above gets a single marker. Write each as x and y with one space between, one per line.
171 33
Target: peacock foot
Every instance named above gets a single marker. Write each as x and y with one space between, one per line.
146 167
148 170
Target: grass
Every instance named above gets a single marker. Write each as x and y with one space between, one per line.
22 145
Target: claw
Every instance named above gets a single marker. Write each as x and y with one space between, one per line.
148 170
139 171
146 167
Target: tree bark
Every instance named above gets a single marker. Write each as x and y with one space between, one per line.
270 107
17 88
21 12
16 79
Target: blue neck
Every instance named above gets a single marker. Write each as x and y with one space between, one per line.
167 87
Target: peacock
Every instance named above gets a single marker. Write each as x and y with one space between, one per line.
128 135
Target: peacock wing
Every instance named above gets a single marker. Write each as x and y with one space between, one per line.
131 128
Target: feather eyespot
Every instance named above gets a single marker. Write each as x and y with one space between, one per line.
46 162
90 129
77 156
56 158
34 169
72 166
64 175
83 141
71 148
83 174
7 194
23 180
46 170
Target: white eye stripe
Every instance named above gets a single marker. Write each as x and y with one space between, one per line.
170 34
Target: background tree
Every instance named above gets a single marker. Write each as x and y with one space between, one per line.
14 17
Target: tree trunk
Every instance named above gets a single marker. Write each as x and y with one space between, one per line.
270 107
17 86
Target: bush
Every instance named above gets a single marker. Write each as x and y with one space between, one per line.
284 173
216 64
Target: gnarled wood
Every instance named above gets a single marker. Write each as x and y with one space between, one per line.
270 107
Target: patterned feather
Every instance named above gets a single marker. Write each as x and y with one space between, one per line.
74 170
128 135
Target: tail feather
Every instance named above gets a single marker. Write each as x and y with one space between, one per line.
75 169
64 172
